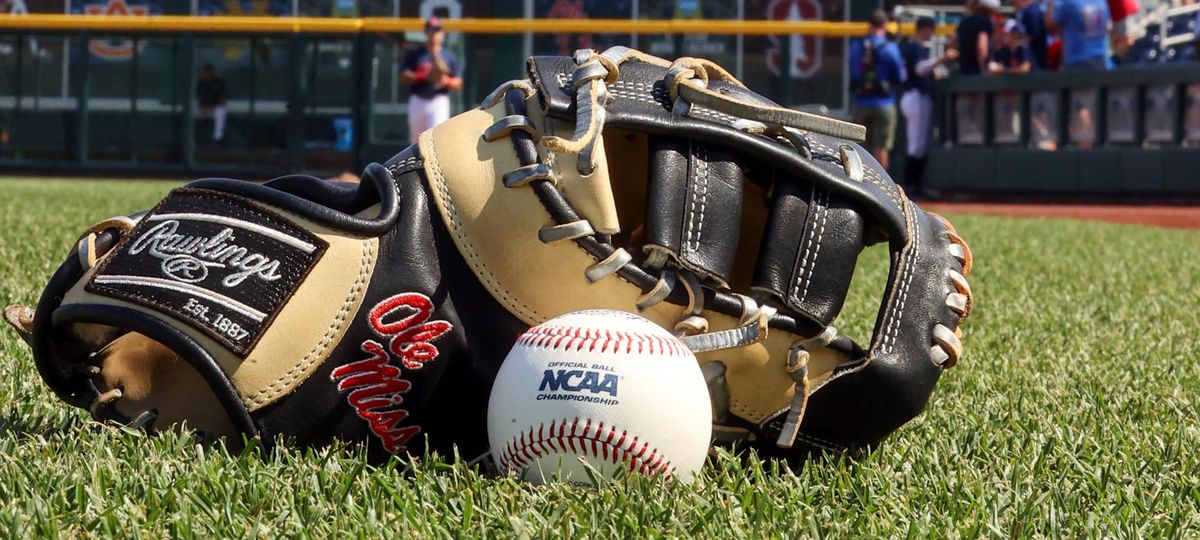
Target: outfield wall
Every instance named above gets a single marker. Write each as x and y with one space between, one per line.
108 98
113 93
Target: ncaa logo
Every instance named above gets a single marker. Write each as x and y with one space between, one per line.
579 380
804 50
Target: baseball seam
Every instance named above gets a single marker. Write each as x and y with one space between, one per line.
569 338
595 440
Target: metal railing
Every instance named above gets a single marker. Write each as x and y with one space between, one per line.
322 25
1153 105
1132 131
140 114
316 94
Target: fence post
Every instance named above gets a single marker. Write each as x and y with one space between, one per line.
82 88
130 130
295 104
1025 110
1180 106
1139 116
1064 116
783 92
187 93
19 77
1100 124
987 100
364 48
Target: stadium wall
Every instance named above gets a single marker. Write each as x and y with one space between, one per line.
293 94
321 94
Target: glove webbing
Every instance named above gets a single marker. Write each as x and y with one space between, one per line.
754 318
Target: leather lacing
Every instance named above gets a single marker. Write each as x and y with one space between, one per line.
102 408
593 73
947 348
590 79
101 405
687 81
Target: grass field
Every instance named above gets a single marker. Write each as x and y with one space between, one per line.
1073 414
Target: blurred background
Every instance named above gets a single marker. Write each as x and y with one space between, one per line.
103 101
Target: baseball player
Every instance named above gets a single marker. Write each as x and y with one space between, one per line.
211 94
431 73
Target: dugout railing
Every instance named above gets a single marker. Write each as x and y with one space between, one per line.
1131 130
312 94
303 101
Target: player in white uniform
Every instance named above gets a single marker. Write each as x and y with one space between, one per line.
431 73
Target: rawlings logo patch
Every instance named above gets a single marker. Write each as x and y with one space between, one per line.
376 389
187 258
218 262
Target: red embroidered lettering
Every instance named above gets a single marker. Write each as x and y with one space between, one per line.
418 304
386 393
411 334
413 355
362 372
375 388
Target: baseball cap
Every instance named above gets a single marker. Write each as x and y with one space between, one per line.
1012 26
433 24
926 22
990 4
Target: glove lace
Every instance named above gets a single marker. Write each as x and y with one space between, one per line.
593 73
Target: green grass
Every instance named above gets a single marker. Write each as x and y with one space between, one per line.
1073 414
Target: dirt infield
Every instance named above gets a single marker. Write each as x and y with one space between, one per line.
1179 217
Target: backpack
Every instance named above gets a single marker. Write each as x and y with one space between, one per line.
869 83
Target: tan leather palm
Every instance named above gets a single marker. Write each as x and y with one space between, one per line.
496 230
151 376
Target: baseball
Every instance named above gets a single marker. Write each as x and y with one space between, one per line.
601 389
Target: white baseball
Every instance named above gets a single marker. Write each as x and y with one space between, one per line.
608 388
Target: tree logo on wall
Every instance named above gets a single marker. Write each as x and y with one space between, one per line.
115 48
804 50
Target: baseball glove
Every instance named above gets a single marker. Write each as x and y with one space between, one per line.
440 68
379 312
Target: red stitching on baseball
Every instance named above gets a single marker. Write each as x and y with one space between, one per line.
519 453
570 339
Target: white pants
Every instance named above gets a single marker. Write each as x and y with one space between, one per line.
918 110
217 113
425 114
